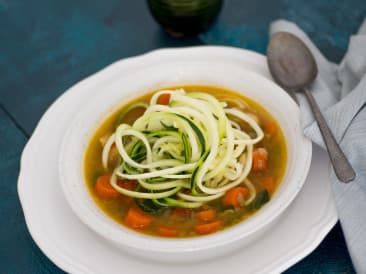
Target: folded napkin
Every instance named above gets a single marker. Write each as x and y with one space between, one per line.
340 91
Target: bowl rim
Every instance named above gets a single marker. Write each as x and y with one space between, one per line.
137 240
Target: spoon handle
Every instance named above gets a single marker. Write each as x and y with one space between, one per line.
342 167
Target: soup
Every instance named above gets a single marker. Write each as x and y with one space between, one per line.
185 161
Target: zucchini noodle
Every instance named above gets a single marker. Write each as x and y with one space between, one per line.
186 153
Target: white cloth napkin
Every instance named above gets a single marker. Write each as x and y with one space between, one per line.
340 91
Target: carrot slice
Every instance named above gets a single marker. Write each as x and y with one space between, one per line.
268 183
137 219
206 215
260 159
167 231
235 196
270 127
104 189
208 228
164 99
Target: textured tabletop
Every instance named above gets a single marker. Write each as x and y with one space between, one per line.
46 46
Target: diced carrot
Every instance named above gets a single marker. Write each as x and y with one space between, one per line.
104 189
135 218
167 231
268 183
260 159
270 127
164 99
235 196
206 215
208 228
127 184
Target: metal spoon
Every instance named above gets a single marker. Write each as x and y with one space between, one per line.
294 68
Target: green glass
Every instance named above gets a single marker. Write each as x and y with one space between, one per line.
185 17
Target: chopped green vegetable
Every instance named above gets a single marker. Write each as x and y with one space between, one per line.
148 205
261 198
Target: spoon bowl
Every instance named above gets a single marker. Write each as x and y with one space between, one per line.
290 62
293 67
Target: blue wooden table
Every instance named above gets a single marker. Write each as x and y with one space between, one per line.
46 46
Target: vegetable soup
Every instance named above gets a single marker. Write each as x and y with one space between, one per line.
185 161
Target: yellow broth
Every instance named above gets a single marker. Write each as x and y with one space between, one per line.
185 219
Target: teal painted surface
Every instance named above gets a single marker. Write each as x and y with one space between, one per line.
328 23
18 252
47 46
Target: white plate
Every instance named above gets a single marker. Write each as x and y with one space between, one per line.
74 248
